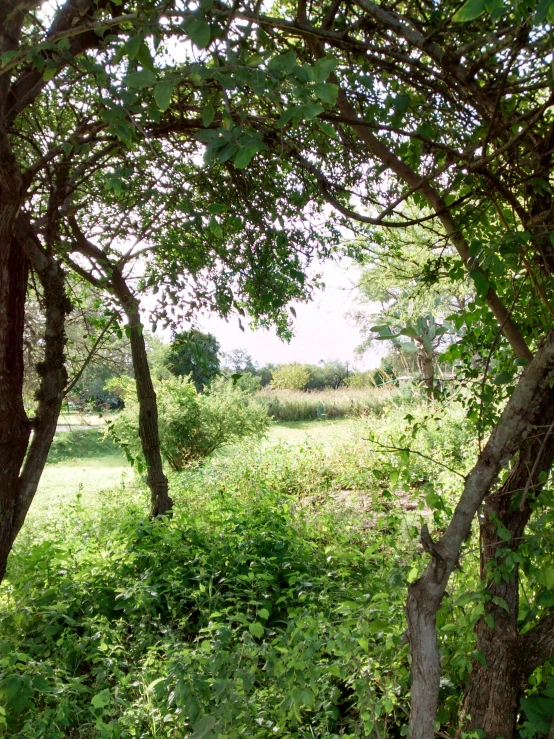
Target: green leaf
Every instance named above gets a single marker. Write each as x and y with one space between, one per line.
311 110
323 68
140 79
545 577
327 92
101 699
479 656
200 32
501 603
244 155
502 378
550 13
284 63
7 56
203 727
215 228
208 115
256 629
48 73
469 11
545 599
480 281
327 128
132 46
162 94
263 613
539 711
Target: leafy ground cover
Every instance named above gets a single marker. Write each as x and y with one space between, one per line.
271 604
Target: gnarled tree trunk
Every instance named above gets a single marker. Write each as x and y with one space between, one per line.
148 408
523 413
21 462
491 701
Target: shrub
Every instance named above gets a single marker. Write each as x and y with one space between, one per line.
192 425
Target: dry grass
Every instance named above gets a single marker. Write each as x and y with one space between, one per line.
296 405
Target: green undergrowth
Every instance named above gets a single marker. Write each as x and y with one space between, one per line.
270 604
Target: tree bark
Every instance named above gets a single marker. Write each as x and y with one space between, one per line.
521 414
492 695
52 370
21 463
148 408
428 371
15 427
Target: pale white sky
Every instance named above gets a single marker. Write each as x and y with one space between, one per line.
322 329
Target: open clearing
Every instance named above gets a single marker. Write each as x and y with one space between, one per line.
83 462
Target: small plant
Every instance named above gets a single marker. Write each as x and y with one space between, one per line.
192 425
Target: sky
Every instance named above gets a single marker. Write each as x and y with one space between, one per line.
322 328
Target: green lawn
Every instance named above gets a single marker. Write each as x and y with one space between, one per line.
80 462
83 462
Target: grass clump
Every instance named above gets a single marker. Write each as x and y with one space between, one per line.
299 405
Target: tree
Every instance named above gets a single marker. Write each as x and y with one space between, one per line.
368 107
238 361
193 425
196 354
290 377
407 305
449 109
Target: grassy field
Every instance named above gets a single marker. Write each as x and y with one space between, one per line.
82 462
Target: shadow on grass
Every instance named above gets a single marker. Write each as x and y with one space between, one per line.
82 444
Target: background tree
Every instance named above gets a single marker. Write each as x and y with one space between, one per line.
196 354
408 300
290 377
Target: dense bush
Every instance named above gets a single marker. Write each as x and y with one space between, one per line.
270 605
192 425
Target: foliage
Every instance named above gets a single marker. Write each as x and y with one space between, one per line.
290 376
192 425
238 361
270 604
194 354
403 303
369 378
331 374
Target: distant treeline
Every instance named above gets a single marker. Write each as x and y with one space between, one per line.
198 355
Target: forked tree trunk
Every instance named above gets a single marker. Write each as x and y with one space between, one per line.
523 413
21 464
148 408
52 369
491 701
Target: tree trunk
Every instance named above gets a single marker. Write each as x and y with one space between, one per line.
492 696
148 408
21 464
427 370
52 370
524 411
15 427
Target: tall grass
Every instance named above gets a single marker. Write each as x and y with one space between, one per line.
297 405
